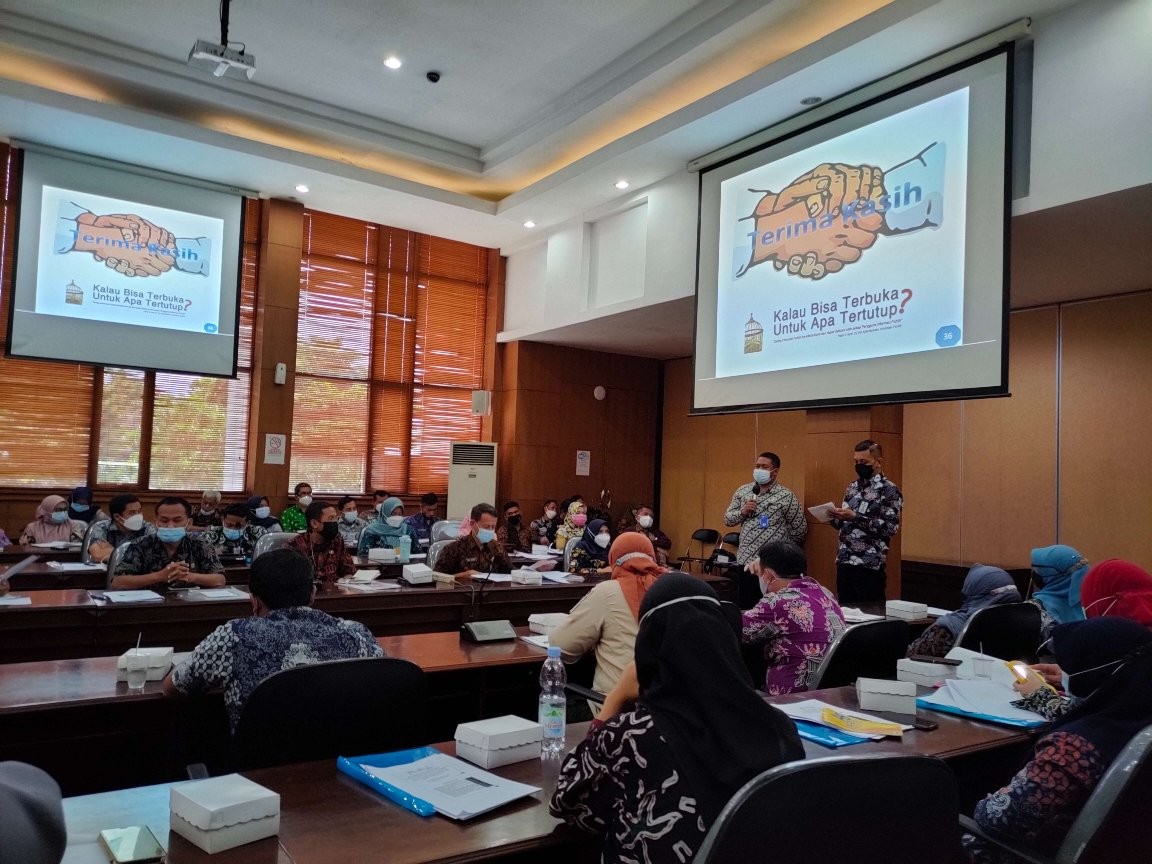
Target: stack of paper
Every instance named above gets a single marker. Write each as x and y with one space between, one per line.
372 587
984 700
24 600
812 711
561 576
855 616
540 640
132 597
217 594
451 785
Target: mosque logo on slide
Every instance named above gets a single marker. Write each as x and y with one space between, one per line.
827 218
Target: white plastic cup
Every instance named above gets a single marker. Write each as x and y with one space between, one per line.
137 669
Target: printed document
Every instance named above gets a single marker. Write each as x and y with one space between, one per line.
452 786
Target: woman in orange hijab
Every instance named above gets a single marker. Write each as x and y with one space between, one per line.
606 619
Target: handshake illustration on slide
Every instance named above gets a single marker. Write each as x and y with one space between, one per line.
830 216
129 244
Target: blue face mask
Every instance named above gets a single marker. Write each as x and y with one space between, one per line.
485 535
59 515
80 508
232 533
171 535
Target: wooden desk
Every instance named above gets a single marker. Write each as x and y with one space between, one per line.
67 624
326 817
15 552
73 719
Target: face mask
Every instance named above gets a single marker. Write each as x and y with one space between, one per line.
864 472
762 476
485 535
171 535
349 516
549 514
1064 683
644 521
59 516
263 512
579 519
80 508
329 530
304 501
134 523
602 540
232 533
395 521
514 520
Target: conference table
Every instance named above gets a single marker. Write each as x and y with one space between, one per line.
327 817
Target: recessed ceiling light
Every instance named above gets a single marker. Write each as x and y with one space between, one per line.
811 100
621 184
393 62
529 224
302 189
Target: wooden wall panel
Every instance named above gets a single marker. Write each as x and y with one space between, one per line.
1105 415
932 481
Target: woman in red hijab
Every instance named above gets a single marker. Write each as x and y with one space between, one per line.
605 620
1119 588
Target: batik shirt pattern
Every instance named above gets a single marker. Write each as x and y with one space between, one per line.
877 503
778 516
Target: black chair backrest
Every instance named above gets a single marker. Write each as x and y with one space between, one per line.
841 815
338 708
732 538
868 650
1010 631
707 536
1111 827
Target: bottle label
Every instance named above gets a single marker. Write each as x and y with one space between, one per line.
552 719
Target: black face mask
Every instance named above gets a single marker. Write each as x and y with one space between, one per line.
514 520
864 472
329 530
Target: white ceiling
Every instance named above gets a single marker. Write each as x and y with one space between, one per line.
543 104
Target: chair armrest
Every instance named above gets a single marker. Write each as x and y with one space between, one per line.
585 693
968 825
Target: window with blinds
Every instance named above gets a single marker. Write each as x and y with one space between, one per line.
197 426
390 347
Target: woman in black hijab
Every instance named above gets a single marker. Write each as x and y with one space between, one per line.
651 777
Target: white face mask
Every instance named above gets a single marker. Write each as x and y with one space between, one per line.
644 521
304 501
549 514
350 516
762 476
263 512
602 540
134 523
395 521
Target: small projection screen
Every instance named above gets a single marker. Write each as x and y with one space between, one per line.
123 268
862 259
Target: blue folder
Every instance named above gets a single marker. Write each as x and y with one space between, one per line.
354 768
975 715
825 735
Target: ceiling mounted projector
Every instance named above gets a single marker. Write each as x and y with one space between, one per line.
221 61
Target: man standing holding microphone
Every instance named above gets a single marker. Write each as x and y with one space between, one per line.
765 511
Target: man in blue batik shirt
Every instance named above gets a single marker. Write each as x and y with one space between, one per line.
867 521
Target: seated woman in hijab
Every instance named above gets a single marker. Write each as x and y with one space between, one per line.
1111 588
53 524
1108 664
984 586
389 527
81 507
680 733
575 520
262 514
606 617
1057 571
590 552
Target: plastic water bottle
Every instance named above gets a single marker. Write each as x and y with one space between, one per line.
553 703
405 549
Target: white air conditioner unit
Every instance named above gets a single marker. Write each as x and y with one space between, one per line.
471 477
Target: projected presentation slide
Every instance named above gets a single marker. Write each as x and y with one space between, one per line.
123 262
850 249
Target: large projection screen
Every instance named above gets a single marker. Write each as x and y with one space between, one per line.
120 267
862 259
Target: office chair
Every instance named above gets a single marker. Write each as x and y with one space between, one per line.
338 708
868 650
846 820
1010 631
85 555
568 547
445 529
272 540
705 537
434 552
114 561
1111 827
